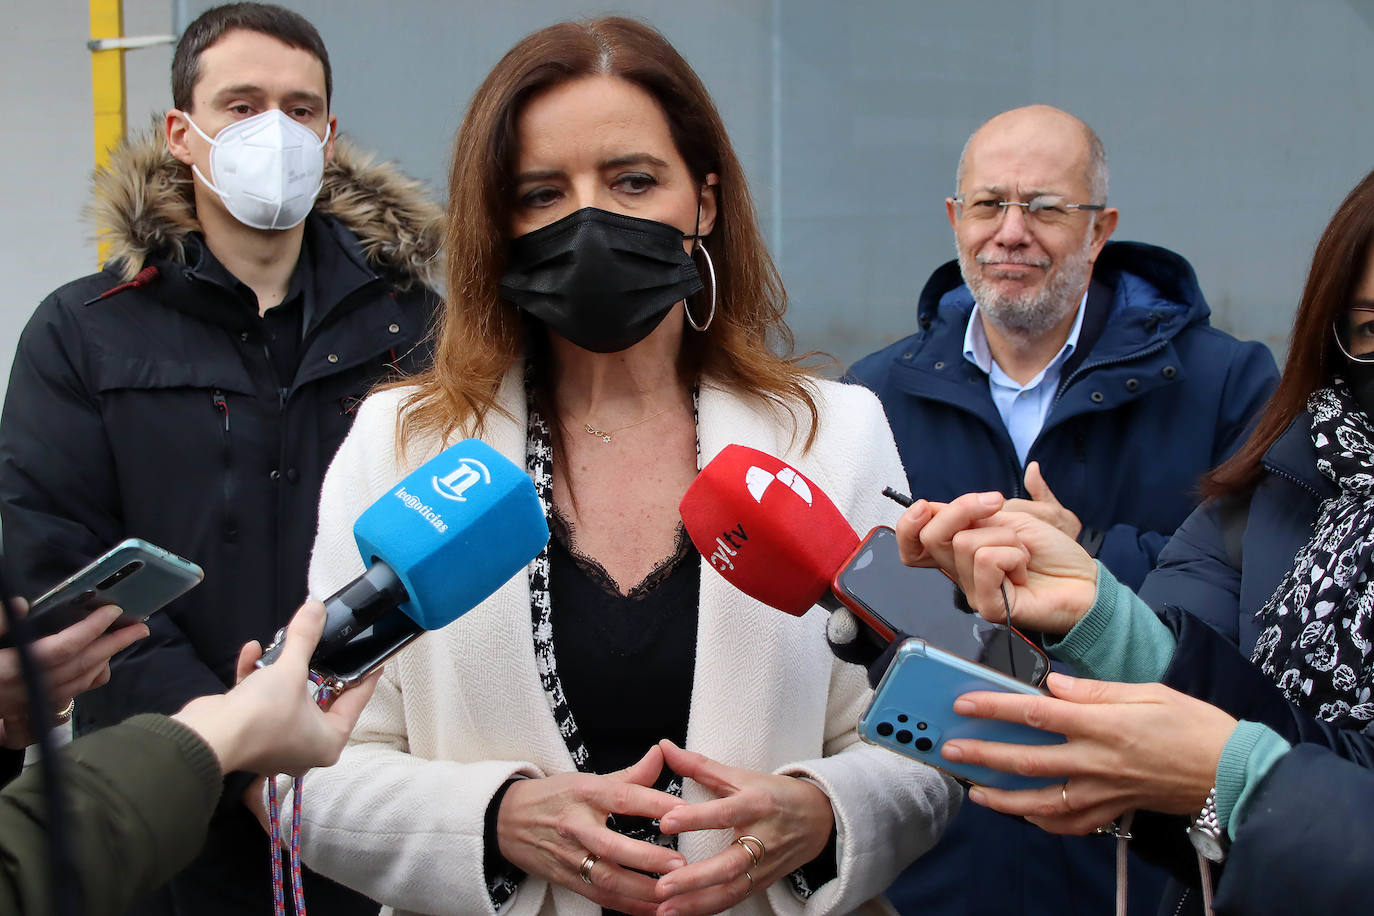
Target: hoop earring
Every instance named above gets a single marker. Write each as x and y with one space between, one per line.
711 270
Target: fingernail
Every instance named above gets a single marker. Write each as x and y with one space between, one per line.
964 707
989 499
667 826
674 864
952 752
313 611
977 797
669 889
1062 681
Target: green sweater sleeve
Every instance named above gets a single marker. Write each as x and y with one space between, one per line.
139 797
1119 639
1247 757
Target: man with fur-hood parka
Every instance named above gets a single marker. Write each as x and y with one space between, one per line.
193 392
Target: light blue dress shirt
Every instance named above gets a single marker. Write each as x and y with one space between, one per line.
1023 407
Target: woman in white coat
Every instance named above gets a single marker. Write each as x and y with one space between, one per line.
617 727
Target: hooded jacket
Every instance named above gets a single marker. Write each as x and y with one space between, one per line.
1151 399
143 402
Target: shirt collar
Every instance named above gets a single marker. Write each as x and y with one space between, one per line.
977 352
301 285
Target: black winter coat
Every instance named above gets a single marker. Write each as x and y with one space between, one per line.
152 409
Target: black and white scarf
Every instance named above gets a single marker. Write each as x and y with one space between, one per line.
1316 629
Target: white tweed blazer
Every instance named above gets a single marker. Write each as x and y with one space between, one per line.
461 710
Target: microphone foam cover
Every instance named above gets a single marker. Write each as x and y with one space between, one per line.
454 530
766 528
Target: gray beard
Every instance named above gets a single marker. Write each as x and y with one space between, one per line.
1031 315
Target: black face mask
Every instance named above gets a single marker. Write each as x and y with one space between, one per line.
1360 377
602 280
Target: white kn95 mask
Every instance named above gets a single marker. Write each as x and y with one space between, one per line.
267 169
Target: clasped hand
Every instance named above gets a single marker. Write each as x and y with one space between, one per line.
1050 581
550 826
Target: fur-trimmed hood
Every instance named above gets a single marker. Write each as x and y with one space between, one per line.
143 204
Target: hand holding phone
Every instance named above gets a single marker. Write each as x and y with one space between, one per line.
134 576
891 598
73 660
912 713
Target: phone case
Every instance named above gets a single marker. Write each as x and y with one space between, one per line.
139 577
367 651
912 713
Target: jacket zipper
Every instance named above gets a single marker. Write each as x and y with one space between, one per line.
1088 367
1064 387
1292 479
226 455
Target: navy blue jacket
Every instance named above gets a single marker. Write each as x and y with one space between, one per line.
1153 398
1195 572
1305 845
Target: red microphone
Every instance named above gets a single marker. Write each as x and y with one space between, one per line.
767 529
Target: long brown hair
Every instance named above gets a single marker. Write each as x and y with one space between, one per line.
1338 265
480 337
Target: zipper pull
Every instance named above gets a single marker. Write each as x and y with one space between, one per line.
222 406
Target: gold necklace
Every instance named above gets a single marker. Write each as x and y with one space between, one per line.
605 434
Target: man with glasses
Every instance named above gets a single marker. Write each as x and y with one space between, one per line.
1081 378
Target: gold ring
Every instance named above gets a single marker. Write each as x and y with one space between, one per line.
751 883
1064 794
588 862
745 840
65 713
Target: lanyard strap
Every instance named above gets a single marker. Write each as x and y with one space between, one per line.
323 696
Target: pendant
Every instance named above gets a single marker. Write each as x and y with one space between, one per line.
599 433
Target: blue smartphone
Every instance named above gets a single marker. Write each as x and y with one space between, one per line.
912 713
134 574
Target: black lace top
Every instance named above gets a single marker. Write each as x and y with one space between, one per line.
626 661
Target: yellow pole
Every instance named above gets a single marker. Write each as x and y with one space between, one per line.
107 86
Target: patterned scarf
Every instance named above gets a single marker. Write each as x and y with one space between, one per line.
1316 629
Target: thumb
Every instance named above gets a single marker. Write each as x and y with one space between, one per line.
1036 486
303 634
645 771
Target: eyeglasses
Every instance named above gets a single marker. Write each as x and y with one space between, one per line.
1045 209
1354 332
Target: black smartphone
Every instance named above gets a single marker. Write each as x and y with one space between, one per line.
367 651
139 577
891 597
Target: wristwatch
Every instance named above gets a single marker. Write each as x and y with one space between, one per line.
1206 833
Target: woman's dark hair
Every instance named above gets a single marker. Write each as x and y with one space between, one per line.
1338 266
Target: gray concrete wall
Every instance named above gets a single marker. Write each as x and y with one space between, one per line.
1233 127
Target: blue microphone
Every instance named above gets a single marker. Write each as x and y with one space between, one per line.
436 544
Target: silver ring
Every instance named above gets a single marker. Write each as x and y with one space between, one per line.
588 863
751 883
748 838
